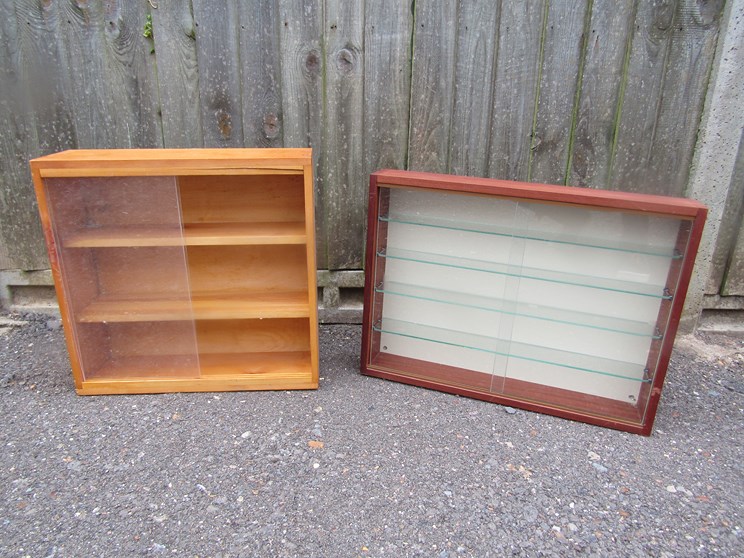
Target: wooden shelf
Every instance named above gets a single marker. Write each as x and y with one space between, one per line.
183 270
194 234
202 306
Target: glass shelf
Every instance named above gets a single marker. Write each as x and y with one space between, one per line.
193 234
555 357
540 236
538 312
616 285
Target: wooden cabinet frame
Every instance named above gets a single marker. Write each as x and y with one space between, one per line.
554 299
183 269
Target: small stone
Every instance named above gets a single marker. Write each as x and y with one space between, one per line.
448 493
246 434
510 410
671 489
316 465
157 548
572 527
599 467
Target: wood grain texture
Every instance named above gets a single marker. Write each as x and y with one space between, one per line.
691 52
432 85
477 42
174 41
302 64
387 84
36 119
601 89
515 88
343 204
85 73
260 73
560 75
216 25
131 75
669 65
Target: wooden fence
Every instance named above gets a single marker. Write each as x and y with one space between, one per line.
598 93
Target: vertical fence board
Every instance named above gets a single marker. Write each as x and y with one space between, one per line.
387 84
219 72
515 88
477 39
691 53
261 73
301 28
85 74
174 41
610 30
559 76
36 120
131 79
432 85
668 72
343 125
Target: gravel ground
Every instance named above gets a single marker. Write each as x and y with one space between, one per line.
362 467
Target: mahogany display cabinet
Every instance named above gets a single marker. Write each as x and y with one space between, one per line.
553 299
183 270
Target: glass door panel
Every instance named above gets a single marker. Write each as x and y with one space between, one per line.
122 256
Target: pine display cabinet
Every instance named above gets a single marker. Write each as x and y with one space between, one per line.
553 299
183 270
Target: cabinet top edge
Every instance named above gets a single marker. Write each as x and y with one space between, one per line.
178 157
610 199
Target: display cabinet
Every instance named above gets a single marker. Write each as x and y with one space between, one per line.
554 299
183 270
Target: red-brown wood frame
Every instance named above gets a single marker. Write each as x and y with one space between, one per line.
555 401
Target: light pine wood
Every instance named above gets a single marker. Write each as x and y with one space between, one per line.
193 234
201 306
204 281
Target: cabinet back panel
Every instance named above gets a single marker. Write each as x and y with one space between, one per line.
143 271
250 268
242 199
248 336
114 202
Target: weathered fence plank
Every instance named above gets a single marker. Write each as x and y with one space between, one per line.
432 85
601 88
130 75
515 88
301 25
477 39
36 120
174 42
343 127
261 73
668 69
560 75
691 52
219 72
85 74
387 84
